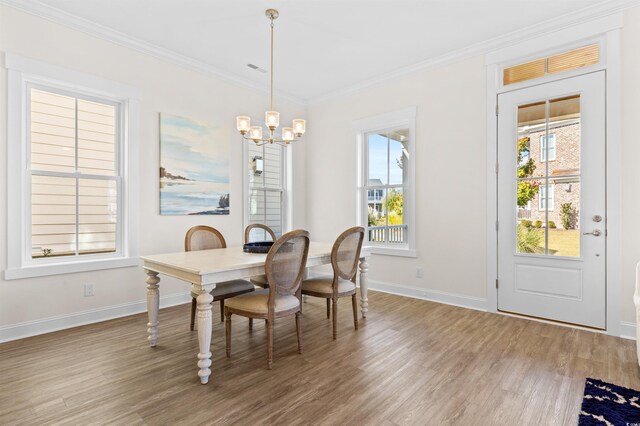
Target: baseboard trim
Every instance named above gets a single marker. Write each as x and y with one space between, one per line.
61 322
628 330
454 299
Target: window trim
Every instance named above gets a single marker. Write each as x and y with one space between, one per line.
543 152
23 73
400 118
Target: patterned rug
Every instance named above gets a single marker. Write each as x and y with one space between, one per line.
607 404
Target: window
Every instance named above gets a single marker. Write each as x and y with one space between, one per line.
561 62
387 176
551 152
546 198
72 197
266 188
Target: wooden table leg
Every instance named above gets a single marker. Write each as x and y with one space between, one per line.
204 335
364 301
153 304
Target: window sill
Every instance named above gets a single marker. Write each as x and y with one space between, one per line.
400 252
69 267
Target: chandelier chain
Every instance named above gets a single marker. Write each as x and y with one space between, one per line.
271 96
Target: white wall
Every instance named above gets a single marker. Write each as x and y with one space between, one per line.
630 159
450 174
164 87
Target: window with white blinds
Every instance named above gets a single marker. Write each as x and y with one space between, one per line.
266 188
74 171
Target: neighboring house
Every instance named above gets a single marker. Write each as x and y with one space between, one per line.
375 197
564 169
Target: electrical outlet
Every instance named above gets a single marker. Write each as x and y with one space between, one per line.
88 290
419 272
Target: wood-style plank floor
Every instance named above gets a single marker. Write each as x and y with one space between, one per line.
411 362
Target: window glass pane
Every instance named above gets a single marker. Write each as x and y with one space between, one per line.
574 59
53 216
256 165
272 166
98 216
265 207
530 226
526 71
378 147
377 215
395 214
398 161
96 138
52 132
564 177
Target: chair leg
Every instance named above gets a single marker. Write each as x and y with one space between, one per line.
250 323
335 319
354 303
328 308
194 303
221 310
299 332
228 333
269 344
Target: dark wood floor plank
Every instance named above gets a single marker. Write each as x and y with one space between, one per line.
411 362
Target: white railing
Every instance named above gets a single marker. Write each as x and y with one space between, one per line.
393 234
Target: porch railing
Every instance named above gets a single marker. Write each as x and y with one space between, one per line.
393 234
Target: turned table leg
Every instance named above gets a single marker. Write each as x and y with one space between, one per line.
204 335
153 304
364 301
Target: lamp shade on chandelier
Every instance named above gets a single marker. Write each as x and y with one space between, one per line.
271 117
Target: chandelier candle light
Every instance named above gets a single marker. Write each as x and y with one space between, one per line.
271 117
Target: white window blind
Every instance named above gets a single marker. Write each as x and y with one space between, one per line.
74 171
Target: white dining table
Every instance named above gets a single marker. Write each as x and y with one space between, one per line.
204 268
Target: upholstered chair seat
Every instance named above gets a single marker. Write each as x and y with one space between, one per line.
260 280
257 302
323 287
227 289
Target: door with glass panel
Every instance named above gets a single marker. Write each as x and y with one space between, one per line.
551 201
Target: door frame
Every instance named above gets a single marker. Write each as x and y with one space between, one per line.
607 32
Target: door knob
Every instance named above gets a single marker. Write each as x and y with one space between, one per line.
595 233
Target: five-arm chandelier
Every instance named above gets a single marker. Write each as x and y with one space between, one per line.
271 117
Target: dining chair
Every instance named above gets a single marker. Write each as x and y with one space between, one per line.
203 237
259 280
344 260
284 266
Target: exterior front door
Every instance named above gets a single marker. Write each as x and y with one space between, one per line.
551 201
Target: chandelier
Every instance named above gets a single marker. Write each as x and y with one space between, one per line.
271 117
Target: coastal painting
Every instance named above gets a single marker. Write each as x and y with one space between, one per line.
194 167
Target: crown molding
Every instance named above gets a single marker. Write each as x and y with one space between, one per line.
555 24
69 20
44 11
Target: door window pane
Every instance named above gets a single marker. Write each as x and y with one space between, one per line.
548 192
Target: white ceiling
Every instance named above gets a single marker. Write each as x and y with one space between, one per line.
322 46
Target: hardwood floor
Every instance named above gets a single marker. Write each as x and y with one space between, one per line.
411 362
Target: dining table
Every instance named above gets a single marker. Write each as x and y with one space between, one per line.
202 269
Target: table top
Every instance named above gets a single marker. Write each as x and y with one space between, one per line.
226 262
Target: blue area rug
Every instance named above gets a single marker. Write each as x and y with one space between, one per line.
607 404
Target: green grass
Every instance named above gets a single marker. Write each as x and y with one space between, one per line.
563 242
